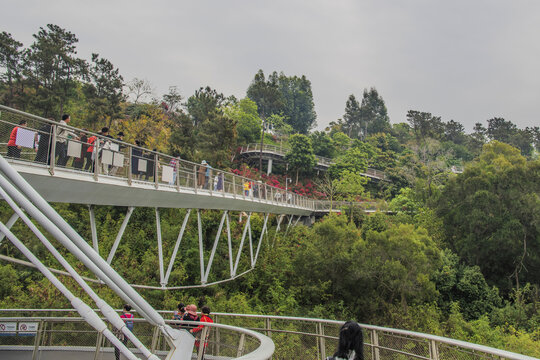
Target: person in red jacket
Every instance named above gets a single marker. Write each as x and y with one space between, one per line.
13 150
205 317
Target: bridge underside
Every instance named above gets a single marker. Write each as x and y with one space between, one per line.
68 186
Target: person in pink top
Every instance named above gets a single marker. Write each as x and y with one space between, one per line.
128 319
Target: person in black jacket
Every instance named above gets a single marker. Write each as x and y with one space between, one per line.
351 343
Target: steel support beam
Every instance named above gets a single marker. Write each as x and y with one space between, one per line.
12 220
260 241
93 228
229 242
176 246
213 253
120 234
248 224
160 249
201 248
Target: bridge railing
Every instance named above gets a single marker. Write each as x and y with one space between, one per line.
68 337
307 338
282 151
48 143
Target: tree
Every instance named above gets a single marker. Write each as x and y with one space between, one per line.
323 145
454 131
298 106
203 104
374 113
11 61
353 160
268 98
353 118
249 124
104 91
54 70
300 156
172 100
425 125
139 89
495 205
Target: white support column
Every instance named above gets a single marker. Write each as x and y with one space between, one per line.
120 234
280 219
241 244
12 220
213 253
176 246
297 220
269 169
229 242
93 228
250 244
289 224
260 241
201 249
160 249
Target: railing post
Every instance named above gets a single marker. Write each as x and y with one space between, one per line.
218 338
241 344
155 338
322 342
268 327
98 345
210 181
433 350
195 184
202 342
177 174
374 345
52 155
156 172
37 340
234 186
130 174
96 159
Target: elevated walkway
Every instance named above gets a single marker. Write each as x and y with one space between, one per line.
292 338
59 163
272 153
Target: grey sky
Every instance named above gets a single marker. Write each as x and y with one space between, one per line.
463 60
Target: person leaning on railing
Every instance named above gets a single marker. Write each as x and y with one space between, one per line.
351 343
13 150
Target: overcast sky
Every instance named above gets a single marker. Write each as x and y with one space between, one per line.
466 60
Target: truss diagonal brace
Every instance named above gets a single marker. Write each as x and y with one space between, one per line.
260 241
9 224
93 228
120 234
248 224
176 246
160 249
213 253
201 249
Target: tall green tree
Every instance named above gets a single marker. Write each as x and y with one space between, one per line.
12 65
298 108
374 113
323 145
300 156
104 92
249 124
54 69
352 119
491 214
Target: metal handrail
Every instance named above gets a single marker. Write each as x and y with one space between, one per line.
185 174
480 351
263 352
282 151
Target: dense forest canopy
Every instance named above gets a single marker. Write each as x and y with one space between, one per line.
457 253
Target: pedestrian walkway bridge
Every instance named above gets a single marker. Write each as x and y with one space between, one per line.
271 153
54 334
62 166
